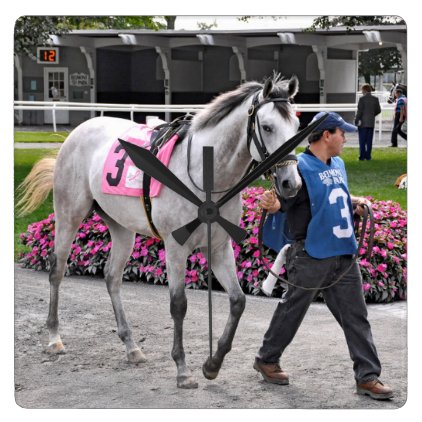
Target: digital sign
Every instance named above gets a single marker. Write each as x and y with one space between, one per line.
48 55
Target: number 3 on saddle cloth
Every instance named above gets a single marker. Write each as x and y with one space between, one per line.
120 175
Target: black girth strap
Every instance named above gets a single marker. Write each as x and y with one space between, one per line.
146 200
160 136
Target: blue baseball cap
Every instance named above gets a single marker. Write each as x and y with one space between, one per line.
333 121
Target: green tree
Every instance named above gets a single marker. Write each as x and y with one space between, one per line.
378 61
116 22
350 22
207 26
373 62
33 31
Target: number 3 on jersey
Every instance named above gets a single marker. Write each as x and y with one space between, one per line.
345 213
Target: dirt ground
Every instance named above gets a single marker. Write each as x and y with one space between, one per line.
94 373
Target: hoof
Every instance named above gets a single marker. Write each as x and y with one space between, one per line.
210 370
187 382
56 348
136 356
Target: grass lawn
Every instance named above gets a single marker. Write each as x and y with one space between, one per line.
366 178
43 137
24 160
376 177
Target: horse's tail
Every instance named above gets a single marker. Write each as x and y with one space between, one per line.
33 191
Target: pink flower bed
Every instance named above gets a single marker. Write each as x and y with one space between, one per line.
384 275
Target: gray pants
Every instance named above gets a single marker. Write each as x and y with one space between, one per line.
345 300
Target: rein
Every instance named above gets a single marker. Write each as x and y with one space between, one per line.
367 214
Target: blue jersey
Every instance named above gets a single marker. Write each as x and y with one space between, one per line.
330 231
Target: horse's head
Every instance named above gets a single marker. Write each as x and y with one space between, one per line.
274 123
264 110
272 120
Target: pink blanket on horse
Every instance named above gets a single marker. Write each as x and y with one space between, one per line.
120 175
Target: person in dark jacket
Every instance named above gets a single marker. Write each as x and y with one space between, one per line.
368 108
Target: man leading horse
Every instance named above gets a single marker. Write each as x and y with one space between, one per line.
321 258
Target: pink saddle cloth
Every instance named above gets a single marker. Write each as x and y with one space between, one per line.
120 175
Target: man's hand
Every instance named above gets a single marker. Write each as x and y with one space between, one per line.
270 202
359 201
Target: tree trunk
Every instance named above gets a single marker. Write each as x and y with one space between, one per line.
170 21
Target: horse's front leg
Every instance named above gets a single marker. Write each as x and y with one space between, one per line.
224 268
176 265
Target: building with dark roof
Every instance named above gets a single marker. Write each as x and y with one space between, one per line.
191 67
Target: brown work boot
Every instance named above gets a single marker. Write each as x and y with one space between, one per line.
375 389
271 372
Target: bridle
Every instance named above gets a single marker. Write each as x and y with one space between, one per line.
253 122
251 134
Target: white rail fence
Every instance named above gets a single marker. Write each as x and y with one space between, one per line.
56 106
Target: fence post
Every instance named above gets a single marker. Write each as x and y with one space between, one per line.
54 118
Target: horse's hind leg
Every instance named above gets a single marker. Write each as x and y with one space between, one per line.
67 219
123 241
224 268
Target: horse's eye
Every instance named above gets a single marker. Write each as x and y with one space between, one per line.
266 128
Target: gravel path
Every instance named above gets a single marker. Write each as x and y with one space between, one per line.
94 374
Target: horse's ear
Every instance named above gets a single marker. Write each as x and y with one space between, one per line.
268 87
293 86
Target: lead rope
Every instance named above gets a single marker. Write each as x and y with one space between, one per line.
367 212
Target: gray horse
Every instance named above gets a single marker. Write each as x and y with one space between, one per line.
75 177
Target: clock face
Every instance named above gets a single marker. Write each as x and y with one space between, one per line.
48 55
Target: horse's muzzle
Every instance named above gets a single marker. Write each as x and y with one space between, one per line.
288 190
